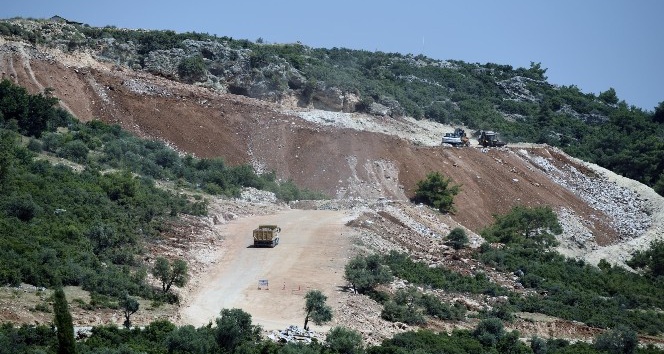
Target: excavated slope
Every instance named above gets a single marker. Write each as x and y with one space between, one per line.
340 161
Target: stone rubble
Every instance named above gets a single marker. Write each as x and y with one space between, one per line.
629 213
295 334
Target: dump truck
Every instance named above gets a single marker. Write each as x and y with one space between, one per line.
490 139
266 236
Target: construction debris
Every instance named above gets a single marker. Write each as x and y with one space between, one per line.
295 334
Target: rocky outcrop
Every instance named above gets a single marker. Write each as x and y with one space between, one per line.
590 118
386 106
120 53
164 62
517 88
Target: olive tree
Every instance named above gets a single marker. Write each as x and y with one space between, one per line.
316 309
129 306
365 272
174 273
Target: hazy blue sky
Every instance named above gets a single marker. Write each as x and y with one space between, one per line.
593 44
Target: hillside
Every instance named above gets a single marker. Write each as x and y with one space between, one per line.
517 102
343 155
368 163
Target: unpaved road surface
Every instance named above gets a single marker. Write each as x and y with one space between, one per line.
312 254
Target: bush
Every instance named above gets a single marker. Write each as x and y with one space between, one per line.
439 278
395 312
35 145
525 226
22 207
620 340
652 260
343 340
437 191
457 238
75 150
52 141
489 331
365 272
192 69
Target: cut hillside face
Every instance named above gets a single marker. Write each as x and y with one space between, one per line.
341 154
369 165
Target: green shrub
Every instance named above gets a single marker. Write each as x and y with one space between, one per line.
21 207
489 331
437 277
75 150
52 141
35 145
437 191
365 272
395 312
525 226
620 340
343 340
192 69
652 259
457 238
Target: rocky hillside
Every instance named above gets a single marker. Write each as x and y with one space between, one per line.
346 155
368 155
517 102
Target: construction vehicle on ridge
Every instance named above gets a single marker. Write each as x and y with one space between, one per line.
458 138
266 236
490 139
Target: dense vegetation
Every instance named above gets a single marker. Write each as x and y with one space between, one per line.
234 332
84 221
603 296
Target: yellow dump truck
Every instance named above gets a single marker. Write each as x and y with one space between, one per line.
266 236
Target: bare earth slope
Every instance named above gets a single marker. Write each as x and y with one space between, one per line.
343 160
364 162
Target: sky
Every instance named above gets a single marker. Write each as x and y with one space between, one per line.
592 44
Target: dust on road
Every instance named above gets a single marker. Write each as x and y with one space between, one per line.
311 254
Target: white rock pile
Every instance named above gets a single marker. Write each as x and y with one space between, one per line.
629 213
294 334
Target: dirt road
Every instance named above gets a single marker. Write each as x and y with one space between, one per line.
312 254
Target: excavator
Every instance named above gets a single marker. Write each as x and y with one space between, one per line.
458 138
490 139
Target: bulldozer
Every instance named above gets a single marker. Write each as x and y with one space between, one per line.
458 138
490 139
